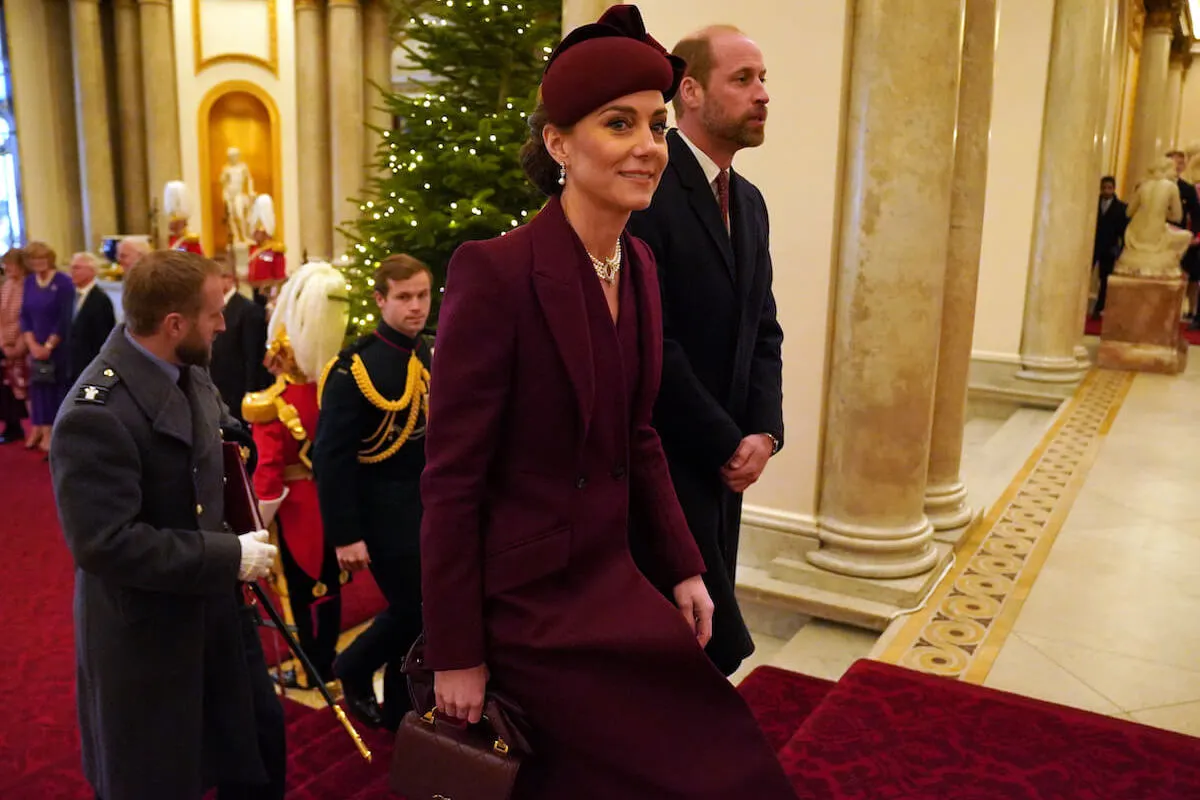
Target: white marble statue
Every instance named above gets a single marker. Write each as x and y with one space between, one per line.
1153 247
237 185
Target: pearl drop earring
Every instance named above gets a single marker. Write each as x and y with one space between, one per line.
562 174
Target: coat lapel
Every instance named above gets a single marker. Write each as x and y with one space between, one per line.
742 230
161 400
560 294
700 196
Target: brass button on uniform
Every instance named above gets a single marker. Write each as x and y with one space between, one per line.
199 508
108 373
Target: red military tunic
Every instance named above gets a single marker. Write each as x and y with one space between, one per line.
188 242
283 462
268 265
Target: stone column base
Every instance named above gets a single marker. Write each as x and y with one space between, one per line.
1141 325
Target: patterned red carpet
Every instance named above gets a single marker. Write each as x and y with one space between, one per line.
1092 328
882 732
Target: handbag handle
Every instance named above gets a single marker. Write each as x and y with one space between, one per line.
499 746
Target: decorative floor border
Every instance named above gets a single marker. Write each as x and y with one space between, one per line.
960 630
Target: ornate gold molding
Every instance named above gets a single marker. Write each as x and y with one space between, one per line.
271 64
347 3
204 112
299 4
1135 20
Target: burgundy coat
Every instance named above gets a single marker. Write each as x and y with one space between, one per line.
539 449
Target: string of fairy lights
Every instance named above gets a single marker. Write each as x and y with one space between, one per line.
443 134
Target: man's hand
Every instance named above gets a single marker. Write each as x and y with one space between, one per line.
257 556
748 462
692 598
353 557
459 693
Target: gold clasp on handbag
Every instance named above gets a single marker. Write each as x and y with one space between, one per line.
500 747
428 718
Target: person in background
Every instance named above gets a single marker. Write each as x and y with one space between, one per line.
540 450
93 318
1110 236
267 269
175 206
720 409
306 332
237 359
130 250
368 458
14 368
46 310
1190 221
173 691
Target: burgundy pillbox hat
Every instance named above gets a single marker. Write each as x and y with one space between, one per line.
605 60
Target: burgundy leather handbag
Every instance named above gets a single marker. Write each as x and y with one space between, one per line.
439 759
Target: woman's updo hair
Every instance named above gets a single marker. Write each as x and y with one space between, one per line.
539 166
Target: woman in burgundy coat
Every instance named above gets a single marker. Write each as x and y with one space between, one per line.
540 447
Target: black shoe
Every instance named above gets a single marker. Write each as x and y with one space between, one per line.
363 705
8 437
287 679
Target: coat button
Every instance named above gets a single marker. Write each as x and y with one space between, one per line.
582 482
618 472
199 508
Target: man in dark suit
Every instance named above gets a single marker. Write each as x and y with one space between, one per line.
174 695
1190 200
1110 236
720 408
94 318
237 359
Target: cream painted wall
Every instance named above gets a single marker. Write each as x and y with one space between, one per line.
1189 117
798 172
223 16
1019 96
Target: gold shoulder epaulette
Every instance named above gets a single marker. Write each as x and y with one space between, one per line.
260 407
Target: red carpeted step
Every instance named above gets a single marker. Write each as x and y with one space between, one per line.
781 700
888 732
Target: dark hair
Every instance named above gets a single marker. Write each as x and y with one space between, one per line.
540 167
398 267
1108 179
1173 153
165 282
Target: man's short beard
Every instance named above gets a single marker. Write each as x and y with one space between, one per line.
736 131
193 352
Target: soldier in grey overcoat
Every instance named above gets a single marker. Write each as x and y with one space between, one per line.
174 695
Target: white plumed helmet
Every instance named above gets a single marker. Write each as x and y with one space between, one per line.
175 201
262 215
312 311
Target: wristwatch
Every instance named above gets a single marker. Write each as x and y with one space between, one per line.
774 443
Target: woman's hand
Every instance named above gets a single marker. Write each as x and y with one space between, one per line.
459 692
692 598
40 352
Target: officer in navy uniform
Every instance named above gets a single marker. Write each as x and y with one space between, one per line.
367 460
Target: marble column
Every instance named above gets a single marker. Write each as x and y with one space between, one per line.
161 103
1066 198
945 493
91 120
345 112
895 225
1175 71
377 74
1146 140
134 190
312 131
581 12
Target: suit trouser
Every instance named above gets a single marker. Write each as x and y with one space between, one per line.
1106 270
390 636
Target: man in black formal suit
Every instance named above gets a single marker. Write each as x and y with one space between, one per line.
237 359
94 317
1110 236
1190 201
720 408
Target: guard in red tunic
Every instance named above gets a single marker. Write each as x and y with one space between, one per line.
268 266
305 333
175 206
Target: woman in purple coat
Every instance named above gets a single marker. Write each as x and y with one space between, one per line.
539 448
46 310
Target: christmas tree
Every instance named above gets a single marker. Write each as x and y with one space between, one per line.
451 171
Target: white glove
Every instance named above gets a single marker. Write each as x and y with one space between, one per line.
268 508
257 556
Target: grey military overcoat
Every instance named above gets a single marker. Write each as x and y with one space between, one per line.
165 705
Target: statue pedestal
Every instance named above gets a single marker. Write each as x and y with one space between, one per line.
1141 325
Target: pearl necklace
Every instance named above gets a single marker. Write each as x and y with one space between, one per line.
608 269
